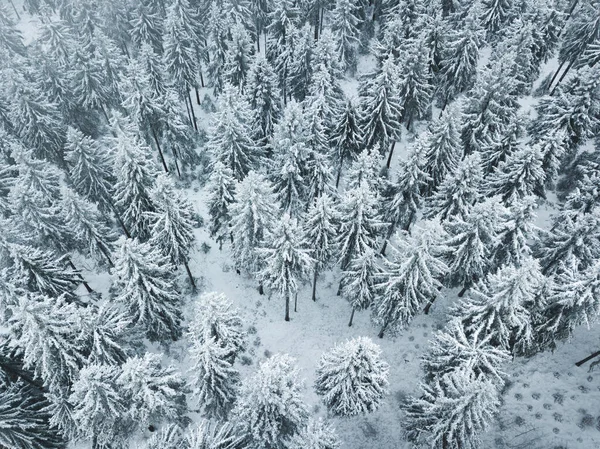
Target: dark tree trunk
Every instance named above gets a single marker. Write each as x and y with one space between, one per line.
317 23
201 79
314 289
160 153
444 105
588 358
339 173
85 284
339 291
197 95
389 159
187 108
287 307
296 302
556 73
257 37
105 114
189 273
382 331
193 113
428 307
562 76
176 159
15 8
463 291
351 317
261 289
105 254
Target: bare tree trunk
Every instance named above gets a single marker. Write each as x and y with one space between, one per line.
562 76
187 108
160 153
389 160
257 37
15 8
287 307
118 217
339 291
444 105
339 173
189 273
105 254
588 358
193 113
463 291
105 114
85 284
296 302
317 24
351 317
197 96
556 73
201 79
261 289
383 328
314 289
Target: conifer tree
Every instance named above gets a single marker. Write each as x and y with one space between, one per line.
145 285
109 338
98 406
264 97
153 393
88 84
221 195
365 169
210 434
253 214
516 233
360 224
230 136
290 166
443 149
452 411
287 260
238 57
359 280
269 409
495 13
345 25
519 176
503 144
317 434
499 307
458 192
352 378
298 62
411 280
454 350
471 243
147 26
171 224
346 137
380 107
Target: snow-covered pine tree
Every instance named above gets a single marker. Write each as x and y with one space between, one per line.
360 224
576 238
220 197
380 108
346 137
99 408
345 24
297 60
171 227
495 14
458 192
152 392
287 260
230 138
503 143
411 280
264 97
452 411
46 332
145 284
520 175
585 197
320 229
452 349
516 233
90 169
253 214
554 146
352 378
147 26
269 409
358 281
238 58
573 301
499 306
365 169
317 434
288 173
90 230
209 434
169 436
459 62
135 173
443 149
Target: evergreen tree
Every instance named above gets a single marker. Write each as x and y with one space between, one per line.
87 82
298 63
458 192
269 409
499 307
264 97
352 378
519 176
287 260
346 137
516 233
253 213
360 224
358 281
503 144
109 338
220 194
553 146
152 392
289 170
345 25
472 241
147 26
380 107
238 58
145 285
412 279
443 149
213 435
318 434
454 350
495 14
320 229
230 136
365 169
452 411
172 228
99 407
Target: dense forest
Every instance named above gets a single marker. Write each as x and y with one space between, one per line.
382 161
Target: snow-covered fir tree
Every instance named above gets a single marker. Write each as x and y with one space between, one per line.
263 94
346 137
345 24
358 281
351 378
270 411
317 434
144 282
221 195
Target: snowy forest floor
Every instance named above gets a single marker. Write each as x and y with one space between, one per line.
548 403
